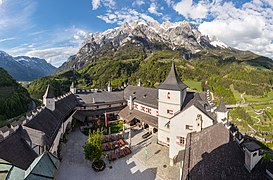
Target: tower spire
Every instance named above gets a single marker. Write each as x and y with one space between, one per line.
48 98
173 82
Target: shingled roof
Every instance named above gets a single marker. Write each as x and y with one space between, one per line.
49 92
222 107
128 116
101 97
49 122
173 82
143 95
212 154
15 149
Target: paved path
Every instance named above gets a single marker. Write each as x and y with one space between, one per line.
75 167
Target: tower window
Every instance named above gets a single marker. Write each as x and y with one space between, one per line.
169 111
182 140
189 127
169 95
168 139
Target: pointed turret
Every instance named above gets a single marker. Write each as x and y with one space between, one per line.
222 107
222 112
73 88
49 92
139 83
109 87
48 98
173 82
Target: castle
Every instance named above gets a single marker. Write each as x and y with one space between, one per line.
195 130
171 111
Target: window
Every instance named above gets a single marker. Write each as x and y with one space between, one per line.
254 154
182 140
156 113
189 127
136 106
142 108
168 125
109 105
169 111
168 139
148 110
169 95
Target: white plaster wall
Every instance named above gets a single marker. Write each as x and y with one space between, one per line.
255 160
49 103
153 110
56 142
221 115
175 96
178 127
164 104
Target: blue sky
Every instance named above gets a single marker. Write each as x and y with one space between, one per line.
55 29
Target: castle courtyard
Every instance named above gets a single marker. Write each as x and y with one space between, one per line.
152 165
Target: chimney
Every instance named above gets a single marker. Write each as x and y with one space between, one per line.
131 105
252 155
94 100
199 122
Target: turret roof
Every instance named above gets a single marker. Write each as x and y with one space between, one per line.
173 82
222 107
49 92
72 85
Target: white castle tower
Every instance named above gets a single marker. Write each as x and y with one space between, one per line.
73 89
139 83
171 95
48 99
109 87
222 112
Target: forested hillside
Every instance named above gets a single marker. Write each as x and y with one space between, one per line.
14 99
246 71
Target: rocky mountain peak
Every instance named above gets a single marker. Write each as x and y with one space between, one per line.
150 35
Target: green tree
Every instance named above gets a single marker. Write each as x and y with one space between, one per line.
93 146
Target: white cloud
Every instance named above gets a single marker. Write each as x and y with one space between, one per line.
153 9
138 3
106 3
169 2
55 56
16 14
192 10
61 44
6 39
124 15
1 2
95 4
247 28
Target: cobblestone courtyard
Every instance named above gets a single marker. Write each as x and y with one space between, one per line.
134 167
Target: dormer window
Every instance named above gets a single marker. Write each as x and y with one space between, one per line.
169 95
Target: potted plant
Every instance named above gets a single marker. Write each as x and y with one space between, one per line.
93 150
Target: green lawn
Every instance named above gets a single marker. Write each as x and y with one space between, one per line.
194 85
249 98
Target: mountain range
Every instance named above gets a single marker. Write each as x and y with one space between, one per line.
145 50
24 68
145 37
